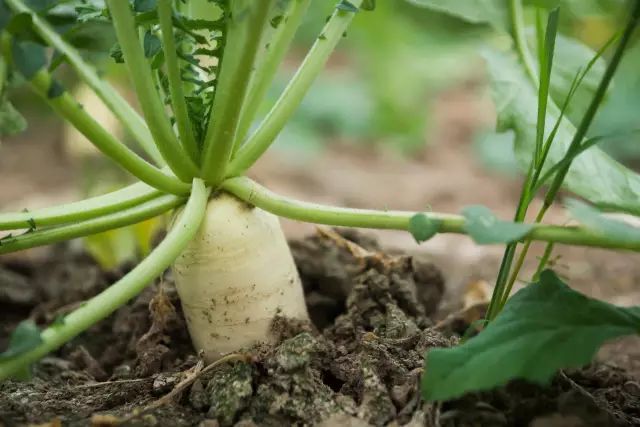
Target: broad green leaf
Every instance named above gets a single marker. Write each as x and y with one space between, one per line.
492 12
485 228
144 5
545 327
593 175
25 337
151 44
495 152
593 219
41 5
422 228
28 57
20 26
11 121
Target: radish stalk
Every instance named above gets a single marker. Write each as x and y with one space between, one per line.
235 276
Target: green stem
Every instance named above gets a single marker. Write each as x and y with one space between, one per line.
115 201
245 27
292 96
253 193
575 84
544 259
546 47
117 295
266 71
131 120
106 222
501 281
73 112
178 102
519 36
546 63
519 263
510 250
152 107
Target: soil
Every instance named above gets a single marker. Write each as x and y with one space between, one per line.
374 314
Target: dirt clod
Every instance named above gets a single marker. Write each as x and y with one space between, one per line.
229 392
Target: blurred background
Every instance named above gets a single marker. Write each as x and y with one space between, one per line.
402 118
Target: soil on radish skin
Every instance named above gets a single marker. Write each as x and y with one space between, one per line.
358 364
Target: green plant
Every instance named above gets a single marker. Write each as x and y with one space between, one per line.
228 253
386 92
546 326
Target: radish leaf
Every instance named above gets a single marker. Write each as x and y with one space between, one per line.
545 327
593 174
593 219
492 12
25 337
422 228
485 228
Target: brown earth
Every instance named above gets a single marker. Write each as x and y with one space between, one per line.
358 364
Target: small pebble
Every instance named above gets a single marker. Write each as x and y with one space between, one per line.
121 372
164 382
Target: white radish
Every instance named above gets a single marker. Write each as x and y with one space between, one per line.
235 276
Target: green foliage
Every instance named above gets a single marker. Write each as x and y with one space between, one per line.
337 105
368 5
547 45
28 57
393 77
5 15
495 152
151 44
24 337
571 57
593 175
545 327
11 121
619 114
491 12
55 90
41 5
485 228
422 228
144 5
606 226
347 6
116 53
